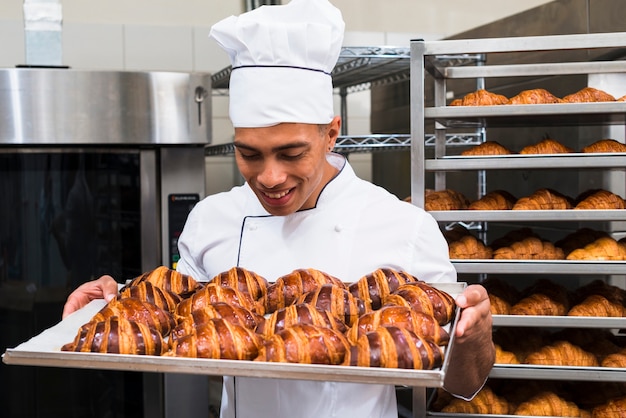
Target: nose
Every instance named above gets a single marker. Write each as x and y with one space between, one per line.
272 174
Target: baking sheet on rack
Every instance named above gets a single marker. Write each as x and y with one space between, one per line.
44 350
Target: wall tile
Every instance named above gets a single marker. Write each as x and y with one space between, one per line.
12 41
208 55
93 46
158 48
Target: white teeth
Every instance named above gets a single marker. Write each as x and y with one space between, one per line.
276 195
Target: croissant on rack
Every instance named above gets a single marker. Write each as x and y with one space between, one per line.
549 404
487 148
168 279
304 343
286 289
217 339
562 353
544 298
213 293
399 316
117 335
336 300
599 199
395 347
139 311
579 239
480 97
244 280
613 408
530 248
622 99
521 341
546 146
469 247
605 145
424 298
494 200
604 248
589 95
534 96
612 293
617 360
505 357
302 313
485 402
513 236
501 295
231 313
445 200
375 286
147 292
597 305
543 199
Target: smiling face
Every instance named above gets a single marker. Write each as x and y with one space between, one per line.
285 164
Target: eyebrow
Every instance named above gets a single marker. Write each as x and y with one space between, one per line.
291 145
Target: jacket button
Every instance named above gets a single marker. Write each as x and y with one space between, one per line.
338 228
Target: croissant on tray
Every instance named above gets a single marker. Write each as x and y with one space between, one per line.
399 316
394 347
336 300
505 357
117 335
302 313
579 239
605 145
530 248
304 343
613 408
445 200
485 402
534 96
487 148
288 288
604 248
480 97
213 293
375 286
469 247
549 404
513 236
501 295
244 280
148 292
543 199
422 297
589 95
613 294
544 297
562 353
546 146
168 279
600 199
617 360
597 305
494 200
217 339
139 311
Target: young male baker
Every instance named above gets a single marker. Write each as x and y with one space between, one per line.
302 206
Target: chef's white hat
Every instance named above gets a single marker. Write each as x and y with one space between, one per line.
281 60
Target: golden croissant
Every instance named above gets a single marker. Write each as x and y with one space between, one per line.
487 148
605 145
613 408
579 239
505 357
546 146
337 300
139 311
600 199
589 95
597 305
168 279
377 285
549 404
213 293
302 313
534 96
617 360
538 304
485 402
148 292
244 280
530 248
562 353
469 247
445 200
543 199
422 297
604 248
494 200
480 97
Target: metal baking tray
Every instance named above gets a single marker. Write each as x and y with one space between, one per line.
44 350
539 266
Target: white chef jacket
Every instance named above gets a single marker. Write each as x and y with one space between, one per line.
355 228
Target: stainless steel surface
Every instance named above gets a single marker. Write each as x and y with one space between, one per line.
151 242
529 215
527 161
539 267
71 107
535 372
558 321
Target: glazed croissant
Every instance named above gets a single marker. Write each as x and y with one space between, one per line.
231 313
534 96
485 402
562 353
600 199
530 248
139 311
375 286
495 200
118 336
597 305
589 95
613 408
605 145
399 316
290 287
213 293
422 297
549 404
469 247
217 339
604 248
304 343
543 199
487 148
546 146
168 279
394 347
302 313
244 280
445 200
336 300
480 97
148 292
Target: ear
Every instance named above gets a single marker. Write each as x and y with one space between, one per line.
334 128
